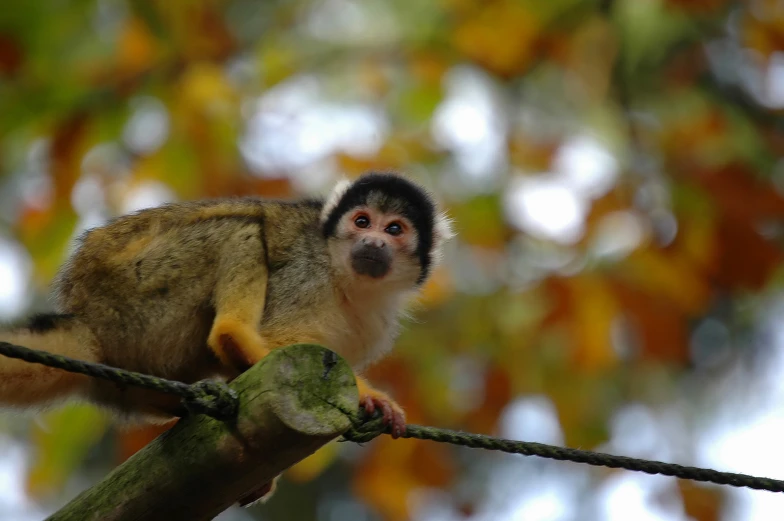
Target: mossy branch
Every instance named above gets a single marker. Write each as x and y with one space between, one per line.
291 403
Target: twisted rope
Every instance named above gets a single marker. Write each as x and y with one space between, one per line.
366 430
218 400
212 398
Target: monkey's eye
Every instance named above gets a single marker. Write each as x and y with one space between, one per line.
394 229
362 221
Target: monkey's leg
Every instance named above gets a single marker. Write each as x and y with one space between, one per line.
371 398
261 494
25 384
239 301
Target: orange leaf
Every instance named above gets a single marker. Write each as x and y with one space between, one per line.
662 329
532 153
746 260
670 277
137 50
11 55
67 149
740 193
428 67
595 309
697 134
198 29
395 468
701 503
132 440
393 375
764 32
497 393
499 36
272 187
560 302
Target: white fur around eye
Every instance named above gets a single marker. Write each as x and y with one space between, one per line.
334 198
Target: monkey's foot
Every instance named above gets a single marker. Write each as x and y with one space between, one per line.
236 343
260 495
393 413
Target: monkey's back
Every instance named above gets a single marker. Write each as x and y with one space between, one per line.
144 283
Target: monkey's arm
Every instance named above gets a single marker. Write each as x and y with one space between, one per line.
239 299
371 398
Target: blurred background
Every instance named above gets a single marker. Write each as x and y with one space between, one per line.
613 170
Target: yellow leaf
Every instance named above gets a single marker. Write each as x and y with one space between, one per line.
205 88
438 289
47 234
593 53
313 465
276 63
697 241
61 439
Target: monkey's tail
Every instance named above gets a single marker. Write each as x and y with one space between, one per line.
25 384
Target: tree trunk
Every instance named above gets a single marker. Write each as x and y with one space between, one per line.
294 401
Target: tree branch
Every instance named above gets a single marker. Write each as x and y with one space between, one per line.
294 401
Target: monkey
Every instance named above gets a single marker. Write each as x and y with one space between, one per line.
205 289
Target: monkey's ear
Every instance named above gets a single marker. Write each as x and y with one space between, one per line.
442 232
334 199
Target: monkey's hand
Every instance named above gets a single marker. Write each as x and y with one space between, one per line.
236 343
372 399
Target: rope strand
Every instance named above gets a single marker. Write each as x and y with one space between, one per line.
218 400
208 397
366 430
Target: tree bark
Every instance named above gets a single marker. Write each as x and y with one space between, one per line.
295 400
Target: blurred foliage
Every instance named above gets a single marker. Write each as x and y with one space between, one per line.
109 105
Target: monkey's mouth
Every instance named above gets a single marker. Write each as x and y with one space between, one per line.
370 264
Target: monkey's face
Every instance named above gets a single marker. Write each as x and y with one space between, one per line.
377 246
383 229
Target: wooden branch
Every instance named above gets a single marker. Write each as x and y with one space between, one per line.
295 400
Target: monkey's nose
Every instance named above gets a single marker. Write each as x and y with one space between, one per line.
374 241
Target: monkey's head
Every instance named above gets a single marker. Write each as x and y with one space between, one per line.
383 228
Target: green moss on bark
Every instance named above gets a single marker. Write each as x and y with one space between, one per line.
291 403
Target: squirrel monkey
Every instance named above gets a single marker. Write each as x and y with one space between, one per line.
194 290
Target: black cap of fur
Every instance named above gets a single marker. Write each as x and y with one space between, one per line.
398 195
